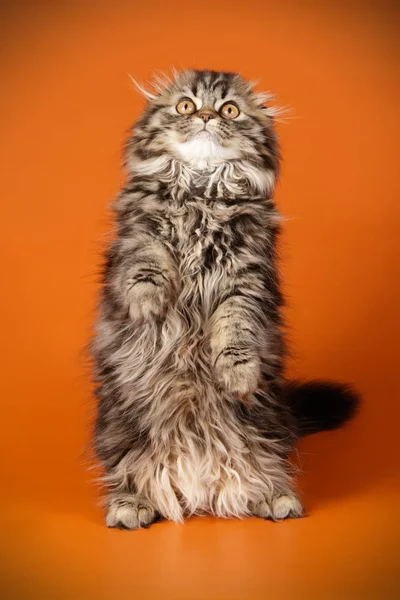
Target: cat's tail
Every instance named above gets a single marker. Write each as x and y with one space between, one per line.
321 405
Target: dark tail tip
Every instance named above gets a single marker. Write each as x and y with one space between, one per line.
321 406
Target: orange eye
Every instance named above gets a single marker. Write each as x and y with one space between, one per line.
186 107
229 110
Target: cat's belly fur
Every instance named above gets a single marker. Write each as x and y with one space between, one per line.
198 457
201 462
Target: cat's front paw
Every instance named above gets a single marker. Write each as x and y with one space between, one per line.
239 376
146 301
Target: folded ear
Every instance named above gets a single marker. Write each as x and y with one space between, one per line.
264 100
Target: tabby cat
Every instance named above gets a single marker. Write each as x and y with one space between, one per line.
194 413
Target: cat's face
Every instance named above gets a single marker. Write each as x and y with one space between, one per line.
206 118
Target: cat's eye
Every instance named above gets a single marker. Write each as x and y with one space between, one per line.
229 110
186 107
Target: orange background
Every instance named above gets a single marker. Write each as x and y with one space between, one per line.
66 101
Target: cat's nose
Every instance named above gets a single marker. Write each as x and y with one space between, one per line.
206 115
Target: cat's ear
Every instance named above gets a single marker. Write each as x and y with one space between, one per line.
265 102
262 98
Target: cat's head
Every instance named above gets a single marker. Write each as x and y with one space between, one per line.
205 119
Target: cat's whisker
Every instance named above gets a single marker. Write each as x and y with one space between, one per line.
146 93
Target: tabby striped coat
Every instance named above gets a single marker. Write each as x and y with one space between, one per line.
188 347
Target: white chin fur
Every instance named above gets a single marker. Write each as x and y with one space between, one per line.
202 151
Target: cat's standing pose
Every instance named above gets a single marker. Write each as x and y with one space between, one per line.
194 415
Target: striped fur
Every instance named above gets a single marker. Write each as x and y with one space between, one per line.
188 348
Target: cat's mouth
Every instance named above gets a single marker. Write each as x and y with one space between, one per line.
204 133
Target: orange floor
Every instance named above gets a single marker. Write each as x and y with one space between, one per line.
66 101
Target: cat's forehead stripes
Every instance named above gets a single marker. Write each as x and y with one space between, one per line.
208 81
211 81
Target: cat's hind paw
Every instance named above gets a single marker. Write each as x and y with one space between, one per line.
128 511
279 508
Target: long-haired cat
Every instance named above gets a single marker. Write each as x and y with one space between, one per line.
194 413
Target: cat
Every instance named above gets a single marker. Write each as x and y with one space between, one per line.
194 413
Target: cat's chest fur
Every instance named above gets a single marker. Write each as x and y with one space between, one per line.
202 233
195 224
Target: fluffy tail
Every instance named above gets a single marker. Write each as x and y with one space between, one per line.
321 406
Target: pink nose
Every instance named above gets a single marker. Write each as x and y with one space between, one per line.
206 116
